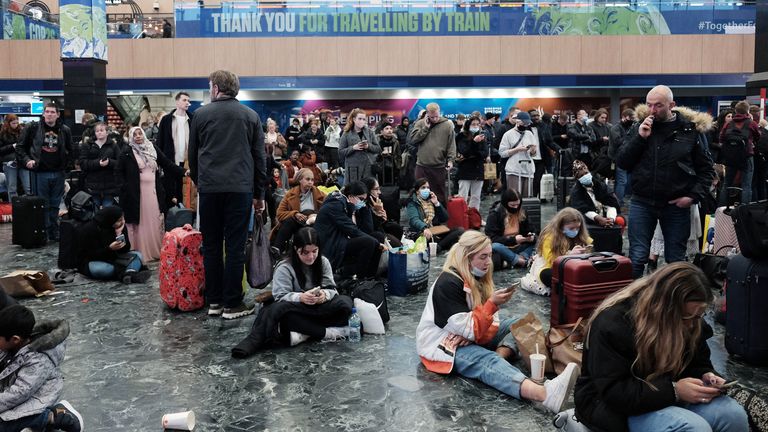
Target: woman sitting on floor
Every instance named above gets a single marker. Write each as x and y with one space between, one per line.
512 236
298 208
427 217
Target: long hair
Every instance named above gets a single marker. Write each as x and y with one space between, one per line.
663 341
306 236
513 195
458 263
554 230
369 183
6 129
351 119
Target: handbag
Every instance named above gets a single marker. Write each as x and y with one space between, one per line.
565 344
489 171
713 265
26 283
259 256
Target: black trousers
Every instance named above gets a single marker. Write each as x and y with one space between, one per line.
287 229
540 170
445 241
361 257
312 320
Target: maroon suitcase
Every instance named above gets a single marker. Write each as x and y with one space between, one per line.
581 282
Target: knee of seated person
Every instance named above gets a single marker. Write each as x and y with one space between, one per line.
731 414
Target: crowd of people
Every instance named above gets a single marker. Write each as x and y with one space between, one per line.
236 166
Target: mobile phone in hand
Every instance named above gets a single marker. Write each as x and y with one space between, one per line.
728 384
120 238
510 288
589 248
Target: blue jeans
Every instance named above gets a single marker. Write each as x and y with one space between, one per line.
675 225
511 256
36 422
103 200
723 414
11 171
224 221
50 185
482 363
623 180
26 180
746 181
104 270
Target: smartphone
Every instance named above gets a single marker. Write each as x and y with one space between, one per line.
729 384
589 248
511 288
120 238
314 291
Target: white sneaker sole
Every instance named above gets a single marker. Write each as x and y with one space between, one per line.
74 412
229 316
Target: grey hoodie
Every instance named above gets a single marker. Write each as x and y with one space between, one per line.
437 144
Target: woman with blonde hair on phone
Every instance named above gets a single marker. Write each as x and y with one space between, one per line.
460 329
358 148
647 363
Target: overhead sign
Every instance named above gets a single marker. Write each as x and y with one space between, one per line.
22 27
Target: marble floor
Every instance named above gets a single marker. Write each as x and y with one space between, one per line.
130 360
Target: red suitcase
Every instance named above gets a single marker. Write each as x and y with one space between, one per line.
457 212
581 282
182 275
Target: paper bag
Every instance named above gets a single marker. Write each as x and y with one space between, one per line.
528 332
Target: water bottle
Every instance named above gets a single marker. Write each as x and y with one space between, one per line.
354 326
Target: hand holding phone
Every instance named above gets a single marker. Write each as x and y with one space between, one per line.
120 238
511 288
589 248
725 386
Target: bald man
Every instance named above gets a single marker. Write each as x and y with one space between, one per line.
671 170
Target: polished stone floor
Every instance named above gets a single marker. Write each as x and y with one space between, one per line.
130 360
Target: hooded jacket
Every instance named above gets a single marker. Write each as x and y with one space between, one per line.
335 227
436 144
32 381
672 162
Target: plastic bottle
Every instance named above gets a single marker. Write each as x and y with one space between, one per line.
354 326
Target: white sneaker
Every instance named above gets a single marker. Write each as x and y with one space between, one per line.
335 333
297 338
559 389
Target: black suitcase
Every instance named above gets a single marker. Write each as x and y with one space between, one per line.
177 217
564 186
29 213
390 196
532 207
387 172
606 239
746 320
68 245
751 223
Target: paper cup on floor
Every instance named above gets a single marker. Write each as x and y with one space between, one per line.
432 249
538 363
179 421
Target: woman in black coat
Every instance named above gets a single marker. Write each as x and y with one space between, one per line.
473 148
98 159
512 236
104 250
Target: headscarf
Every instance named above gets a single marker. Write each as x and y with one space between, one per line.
106 217
146 150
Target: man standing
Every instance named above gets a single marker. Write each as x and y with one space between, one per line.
46 150
434 137
544 148
560 139
618 134
173 141
581 138
671 170
228 164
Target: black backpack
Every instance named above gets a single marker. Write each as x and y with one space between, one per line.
370 290
734 145
82 207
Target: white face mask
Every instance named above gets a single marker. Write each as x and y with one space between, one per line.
476 272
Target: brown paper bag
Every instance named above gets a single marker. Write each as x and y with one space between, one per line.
26 283
489 171
439 230
528 332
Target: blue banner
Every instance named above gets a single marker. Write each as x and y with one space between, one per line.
241 20
21 27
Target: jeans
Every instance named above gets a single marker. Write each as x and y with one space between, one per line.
746 182
50 185
11 171
675 225
36 422
103 200
511 256
104 271
471 190
224 222
26 180
623 180
482 363
723 414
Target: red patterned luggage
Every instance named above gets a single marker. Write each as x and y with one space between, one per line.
182 275
581 282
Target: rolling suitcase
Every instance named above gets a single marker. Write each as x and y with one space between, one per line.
531 206
725 232
390 197
457 210
29 213
68 245
606 239
746 321
547 187
182 276
581 282
387 175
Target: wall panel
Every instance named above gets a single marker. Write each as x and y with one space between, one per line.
358 55
601 54
153 57
560 55
520 55
398 55
748 54
438 55
479 55
320 57
193 57
681 54
641 54
30 59
722 53
238 55
120 64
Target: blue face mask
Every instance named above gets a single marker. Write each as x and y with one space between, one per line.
424 194
476 272
586 179
570 233
474 129
359 205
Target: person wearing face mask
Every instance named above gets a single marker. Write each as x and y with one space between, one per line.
508 227
565 234
518 146
427 217
461 331
618 134
590 196
349 249
297 209
581 137
358 148
473 146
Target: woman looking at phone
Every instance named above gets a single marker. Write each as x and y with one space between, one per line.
358 148
565 234
511 233
460 329
307 305
647 363
98 159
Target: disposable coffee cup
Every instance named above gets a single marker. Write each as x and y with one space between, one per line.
432 249
179 421
538 362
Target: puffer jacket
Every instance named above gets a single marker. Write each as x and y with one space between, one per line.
672 162
100 179
32 381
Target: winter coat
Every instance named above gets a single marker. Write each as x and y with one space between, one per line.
618 134
308 136
436 144
32 381
672 162
33 140
164 139
332 136
496 223
335 227
520 163
129 178
291 203
293 138
394 156
7 150
579 135
473 156
402 135
581 201
358 163
416 215
600 146
546 144
93 245
607 392
278 148
99 179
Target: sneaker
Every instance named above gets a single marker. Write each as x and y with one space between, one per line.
560 388
128 276
335 333
238 311
297 338
215 309
66 418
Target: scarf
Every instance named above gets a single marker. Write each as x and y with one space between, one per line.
146 151
429 211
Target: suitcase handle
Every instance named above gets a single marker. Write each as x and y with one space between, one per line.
604 265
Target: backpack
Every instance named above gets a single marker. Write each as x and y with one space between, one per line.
82 207
734 145
370 290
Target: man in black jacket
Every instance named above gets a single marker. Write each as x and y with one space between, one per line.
227 161
671 170
47 150
581 137
173 141
617 135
